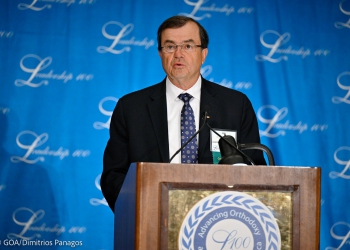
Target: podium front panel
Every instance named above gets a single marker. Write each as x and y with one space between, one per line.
178 198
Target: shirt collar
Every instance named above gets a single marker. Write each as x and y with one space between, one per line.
173 92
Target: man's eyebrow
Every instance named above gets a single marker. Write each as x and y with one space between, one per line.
169 41
186 41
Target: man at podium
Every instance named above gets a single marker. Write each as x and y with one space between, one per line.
152 124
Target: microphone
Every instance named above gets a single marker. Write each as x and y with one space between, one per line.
229 154
205 116
232 144
236 148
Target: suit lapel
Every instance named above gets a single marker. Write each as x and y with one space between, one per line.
209 103
158 114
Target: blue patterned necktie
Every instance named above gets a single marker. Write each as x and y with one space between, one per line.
189 154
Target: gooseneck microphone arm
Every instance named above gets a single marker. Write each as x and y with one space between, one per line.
240 151
190 139
245 146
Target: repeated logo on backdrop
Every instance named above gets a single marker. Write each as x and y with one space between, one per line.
35 65
33 152
39 5
203 9
115 31
346 11
97 201
6 34
112 101
33 229
342 238
206 71
274 41
276 125
341 79
28 220
207 7
342 157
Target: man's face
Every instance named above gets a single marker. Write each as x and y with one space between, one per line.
183 68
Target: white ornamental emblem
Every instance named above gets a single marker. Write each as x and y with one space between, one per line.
229 220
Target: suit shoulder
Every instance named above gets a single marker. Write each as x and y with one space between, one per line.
224 91
144 93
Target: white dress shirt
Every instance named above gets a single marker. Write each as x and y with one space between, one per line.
174 106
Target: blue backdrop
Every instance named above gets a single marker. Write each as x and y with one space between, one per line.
65 63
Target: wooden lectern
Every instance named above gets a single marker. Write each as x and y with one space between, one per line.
143 213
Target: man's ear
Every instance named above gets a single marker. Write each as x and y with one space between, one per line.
204 54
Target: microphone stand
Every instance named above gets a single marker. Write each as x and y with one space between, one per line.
228 142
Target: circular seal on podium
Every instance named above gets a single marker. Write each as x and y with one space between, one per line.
229 220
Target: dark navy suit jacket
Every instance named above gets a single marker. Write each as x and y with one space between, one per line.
139 130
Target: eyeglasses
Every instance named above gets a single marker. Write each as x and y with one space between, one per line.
185 47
